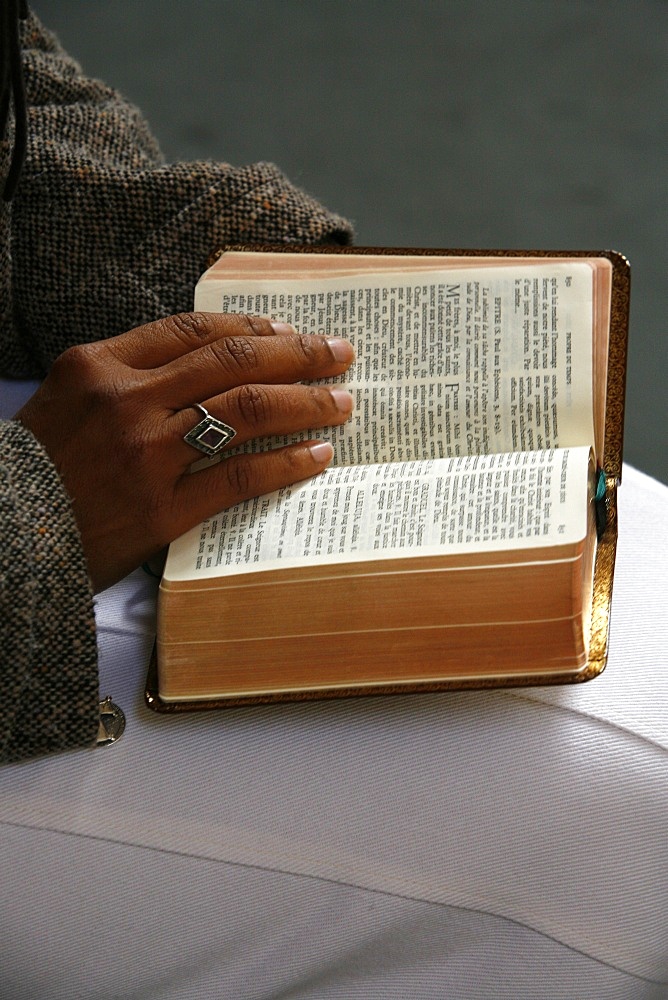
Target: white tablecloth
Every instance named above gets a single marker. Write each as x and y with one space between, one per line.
470 845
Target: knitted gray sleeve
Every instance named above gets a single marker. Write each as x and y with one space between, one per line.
105 235
48 655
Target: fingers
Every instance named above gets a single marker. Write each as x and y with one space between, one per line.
262 411
241 477
231 361
165 340
192 357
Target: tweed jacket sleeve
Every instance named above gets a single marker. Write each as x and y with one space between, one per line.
105 235
48 660
101 236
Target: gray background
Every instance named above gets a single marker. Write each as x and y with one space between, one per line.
534 123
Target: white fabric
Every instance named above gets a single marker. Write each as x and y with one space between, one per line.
473 845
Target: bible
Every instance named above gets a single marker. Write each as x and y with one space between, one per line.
465 533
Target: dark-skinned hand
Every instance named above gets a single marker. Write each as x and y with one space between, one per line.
112 416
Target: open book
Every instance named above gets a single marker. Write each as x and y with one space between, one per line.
465 532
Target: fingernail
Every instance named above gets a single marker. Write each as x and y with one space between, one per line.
343 400
283 329
341 349
322 452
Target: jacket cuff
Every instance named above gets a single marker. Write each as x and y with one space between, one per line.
48 662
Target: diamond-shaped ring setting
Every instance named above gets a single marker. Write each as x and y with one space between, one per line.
210 434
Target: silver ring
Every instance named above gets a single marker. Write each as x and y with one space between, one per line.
210 434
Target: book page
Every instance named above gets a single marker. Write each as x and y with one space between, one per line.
474 361
429 507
